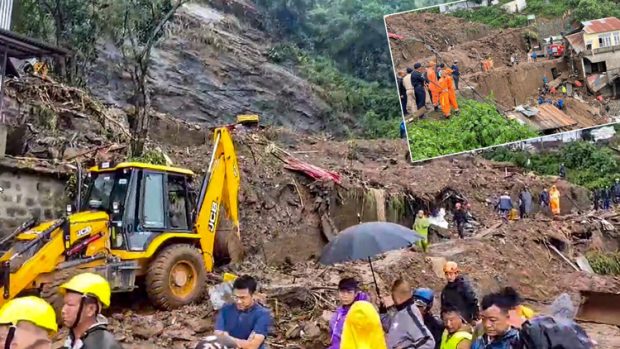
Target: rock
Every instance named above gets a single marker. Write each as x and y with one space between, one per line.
327 315
199 325
148 329
311 330
185 334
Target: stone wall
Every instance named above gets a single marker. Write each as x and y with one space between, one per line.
26 194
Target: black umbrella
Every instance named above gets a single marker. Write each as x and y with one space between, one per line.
366 240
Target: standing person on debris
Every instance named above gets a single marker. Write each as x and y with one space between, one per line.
433 85
420 226
246 322
525 207
403 130
606 198
543 200
460 218
457 334
562 171
451 90
424 298
85 296
456 74
498 333
362 328
564 91
440 69
402 91
348 293
444 97
534 56
596 198
409 92
418 80
403 321
27 322
554 200
505 205
616 191
459 293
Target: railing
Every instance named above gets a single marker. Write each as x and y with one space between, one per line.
600 50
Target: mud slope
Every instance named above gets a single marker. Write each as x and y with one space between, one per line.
213 65
423 31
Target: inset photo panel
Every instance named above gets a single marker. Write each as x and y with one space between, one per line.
474 75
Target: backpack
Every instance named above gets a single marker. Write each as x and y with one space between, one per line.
548 332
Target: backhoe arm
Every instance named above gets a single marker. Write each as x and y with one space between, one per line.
219 186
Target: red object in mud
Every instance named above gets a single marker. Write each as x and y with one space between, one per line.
557 50
311 170
395 36
578 83
599 98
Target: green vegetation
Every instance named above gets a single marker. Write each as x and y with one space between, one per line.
582 10
478 125
604 263
586 163
150 156
376 106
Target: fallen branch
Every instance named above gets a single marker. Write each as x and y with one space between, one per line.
554 249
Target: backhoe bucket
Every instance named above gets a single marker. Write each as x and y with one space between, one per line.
599 307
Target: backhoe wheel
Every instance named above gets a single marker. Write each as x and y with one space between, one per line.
176 277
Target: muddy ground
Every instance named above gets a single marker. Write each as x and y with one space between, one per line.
444 39
286 217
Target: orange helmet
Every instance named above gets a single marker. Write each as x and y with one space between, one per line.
450 267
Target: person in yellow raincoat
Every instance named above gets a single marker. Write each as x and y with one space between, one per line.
362 328
435 90
554 200
420 226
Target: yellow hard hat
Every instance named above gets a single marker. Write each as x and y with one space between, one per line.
32 309
89 284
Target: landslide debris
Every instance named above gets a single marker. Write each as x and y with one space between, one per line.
282 215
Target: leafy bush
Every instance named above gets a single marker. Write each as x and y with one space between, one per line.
604 263
586 164
478 125
493 16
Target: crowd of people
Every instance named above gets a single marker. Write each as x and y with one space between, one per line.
551 95
439 82
604 196
406 320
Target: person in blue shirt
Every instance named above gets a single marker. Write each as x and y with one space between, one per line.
246 322
560 104
455 74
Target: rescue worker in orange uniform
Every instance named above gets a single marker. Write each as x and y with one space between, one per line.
433 85
447 97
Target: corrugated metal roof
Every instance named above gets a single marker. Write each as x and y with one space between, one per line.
6 10
576 42
548 118
602 25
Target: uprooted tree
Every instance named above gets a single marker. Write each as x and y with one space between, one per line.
136 32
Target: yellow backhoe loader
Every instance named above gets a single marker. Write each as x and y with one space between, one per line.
138 223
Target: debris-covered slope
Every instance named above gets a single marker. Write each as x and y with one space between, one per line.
283 216
212 65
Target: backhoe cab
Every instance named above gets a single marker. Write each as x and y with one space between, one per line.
137 222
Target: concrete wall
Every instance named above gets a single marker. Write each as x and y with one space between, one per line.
25 195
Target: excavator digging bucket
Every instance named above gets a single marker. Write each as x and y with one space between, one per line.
599 307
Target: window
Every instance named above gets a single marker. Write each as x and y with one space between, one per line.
153 211
604 40
588 45
617 38
177 202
